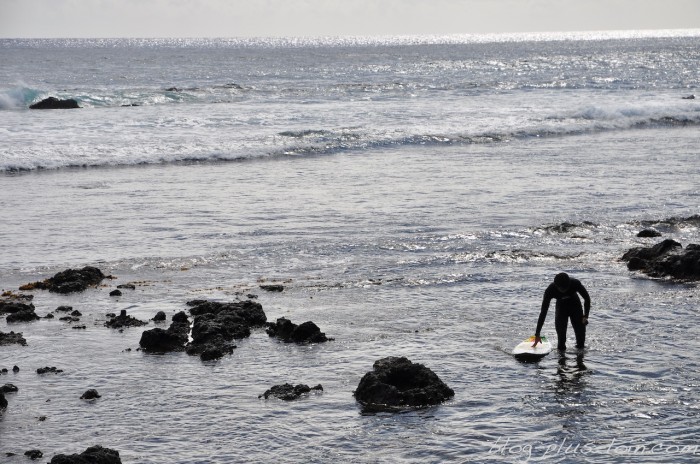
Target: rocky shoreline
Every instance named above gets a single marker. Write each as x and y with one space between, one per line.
666 259
207 329
210 329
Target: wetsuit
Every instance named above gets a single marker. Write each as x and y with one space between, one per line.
568 307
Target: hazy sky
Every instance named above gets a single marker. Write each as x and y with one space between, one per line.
244 18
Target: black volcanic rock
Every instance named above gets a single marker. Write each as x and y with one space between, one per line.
651 253
566 227
48 370
666 259
673 222
53 103
164 341
250 311
123 320
214 329
649 233
34 454
69 281
11 307
90 394
12 337
93 455
287 331
180 316
214 351
22 316
272 288
159 317
216 325
289 392
3 401
9 388
209 326
397 383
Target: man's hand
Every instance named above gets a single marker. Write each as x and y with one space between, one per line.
584 320
537 340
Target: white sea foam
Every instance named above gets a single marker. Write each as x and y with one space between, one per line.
163 101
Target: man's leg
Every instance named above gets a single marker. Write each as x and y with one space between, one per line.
561 321
579 328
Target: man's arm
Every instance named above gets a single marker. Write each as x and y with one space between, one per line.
586 299
546 299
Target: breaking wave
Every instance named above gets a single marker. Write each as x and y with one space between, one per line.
18 97
303 142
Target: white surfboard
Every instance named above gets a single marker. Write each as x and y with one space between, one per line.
525 352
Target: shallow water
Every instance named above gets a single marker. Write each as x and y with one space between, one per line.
414 253
407 195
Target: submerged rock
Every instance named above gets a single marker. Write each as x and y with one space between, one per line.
673 222
93 455
11 307
213 351
48 370
9 388
123 320
648 233
90 395
53 103
272 288
566 227
287 331
69 281
23 316
9 296
34 454
397 383
11 338
289 392
666 259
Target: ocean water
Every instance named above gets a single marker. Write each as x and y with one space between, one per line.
408 192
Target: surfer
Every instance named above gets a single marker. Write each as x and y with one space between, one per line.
564 289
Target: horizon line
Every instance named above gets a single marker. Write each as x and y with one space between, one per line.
532 35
